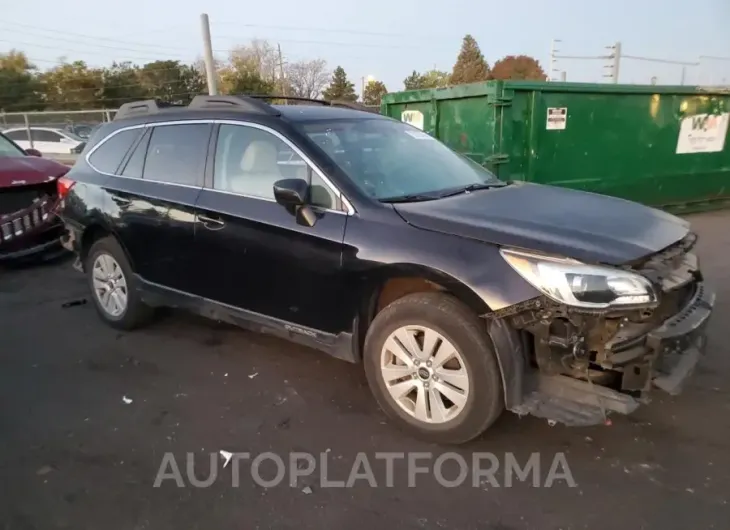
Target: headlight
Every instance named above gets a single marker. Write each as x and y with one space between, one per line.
576 284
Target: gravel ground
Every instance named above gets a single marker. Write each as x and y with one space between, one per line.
87 415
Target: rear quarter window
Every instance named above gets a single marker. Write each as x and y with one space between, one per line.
109 155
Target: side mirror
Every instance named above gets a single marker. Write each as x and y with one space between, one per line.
291 192
33 152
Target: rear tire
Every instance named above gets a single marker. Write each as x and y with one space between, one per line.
451 391
113 286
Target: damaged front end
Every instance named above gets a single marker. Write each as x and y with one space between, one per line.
28 224
583 363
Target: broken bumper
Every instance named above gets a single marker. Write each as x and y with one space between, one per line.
672 351
32 232
680 341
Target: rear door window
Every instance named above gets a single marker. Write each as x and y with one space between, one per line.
107 157
17 135
40 135
177 154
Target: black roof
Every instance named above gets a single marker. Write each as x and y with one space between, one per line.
301 108
319 112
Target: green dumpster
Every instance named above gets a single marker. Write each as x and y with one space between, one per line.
661 145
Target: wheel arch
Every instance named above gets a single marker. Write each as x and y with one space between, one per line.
95 230
508 344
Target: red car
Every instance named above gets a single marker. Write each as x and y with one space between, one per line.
28 195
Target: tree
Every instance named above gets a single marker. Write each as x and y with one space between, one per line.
171 81
19 86
249 83
518 67
340 88
260 57
374 92
307 79
470 65
430 79
72 86
120 85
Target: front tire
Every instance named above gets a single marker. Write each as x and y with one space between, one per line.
432 368
112 285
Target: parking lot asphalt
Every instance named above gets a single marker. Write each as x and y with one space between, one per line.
87 415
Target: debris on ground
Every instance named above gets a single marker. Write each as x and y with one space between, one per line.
73 303
44 471
306 490
126 400
253 375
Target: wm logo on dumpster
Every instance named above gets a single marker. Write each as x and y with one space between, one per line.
705 122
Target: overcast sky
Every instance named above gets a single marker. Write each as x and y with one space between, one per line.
383 38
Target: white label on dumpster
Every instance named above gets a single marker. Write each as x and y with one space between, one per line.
703 133
412 117
557 118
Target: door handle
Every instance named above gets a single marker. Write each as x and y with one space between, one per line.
211 221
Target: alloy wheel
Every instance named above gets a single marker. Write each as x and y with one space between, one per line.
424 374
110 285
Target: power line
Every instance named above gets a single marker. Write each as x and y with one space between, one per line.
77 51
87 36
74 41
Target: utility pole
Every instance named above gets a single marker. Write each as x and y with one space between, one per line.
615 61
210 72
553 60
282 81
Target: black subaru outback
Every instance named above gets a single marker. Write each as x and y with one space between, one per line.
462 295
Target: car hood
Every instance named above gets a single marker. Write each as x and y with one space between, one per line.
585 226
22 171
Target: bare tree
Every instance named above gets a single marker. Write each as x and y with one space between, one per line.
259 57
307 79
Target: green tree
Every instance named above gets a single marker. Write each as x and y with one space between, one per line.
518 67
430 79
120 85
248 83
374 92
171 81
72 86
19 86
340 88
413 81
470 65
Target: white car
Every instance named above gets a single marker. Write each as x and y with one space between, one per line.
47 140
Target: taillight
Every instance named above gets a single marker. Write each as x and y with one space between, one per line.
63 186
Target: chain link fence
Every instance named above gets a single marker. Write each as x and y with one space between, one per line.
60 135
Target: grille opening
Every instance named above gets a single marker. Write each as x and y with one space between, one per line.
21 197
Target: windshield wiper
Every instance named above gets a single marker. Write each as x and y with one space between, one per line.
415 197
472 187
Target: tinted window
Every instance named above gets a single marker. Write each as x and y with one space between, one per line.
176 153
110 154
249 161
17 135
45 136
135 165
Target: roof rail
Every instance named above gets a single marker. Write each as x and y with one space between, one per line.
352 105
243 103
141 108
327 102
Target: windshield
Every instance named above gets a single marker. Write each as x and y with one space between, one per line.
7 148
390 160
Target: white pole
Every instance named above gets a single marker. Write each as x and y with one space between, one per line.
210 72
